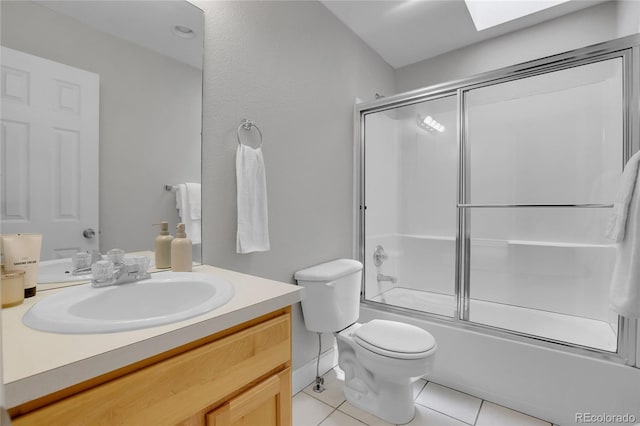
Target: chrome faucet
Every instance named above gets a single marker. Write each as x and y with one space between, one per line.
118 270
382 277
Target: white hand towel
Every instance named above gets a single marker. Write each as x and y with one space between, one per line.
618 222
181 199
193 228
624 293
253 222
194 198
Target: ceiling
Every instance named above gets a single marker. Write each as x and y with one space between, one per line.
146 23
408 31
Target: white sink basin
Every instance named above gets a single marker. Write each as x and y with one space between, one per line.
165 298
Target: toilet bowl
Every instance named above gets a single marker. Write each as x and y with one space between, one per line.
378 379
381 359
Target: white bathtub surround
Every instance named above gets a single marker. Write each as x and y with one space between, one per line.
253 218
625 230
509 277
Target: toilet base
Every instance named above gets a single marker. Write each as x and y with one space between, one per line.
394 404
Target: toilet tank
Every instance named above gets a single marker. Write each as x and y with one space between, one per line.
331 295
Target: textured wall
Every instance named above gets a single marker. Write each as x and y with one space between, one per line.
296 70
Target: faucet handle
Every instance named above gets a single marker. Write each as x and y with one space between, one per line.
379 256
81 260
95 256
138 264
102 270
116 256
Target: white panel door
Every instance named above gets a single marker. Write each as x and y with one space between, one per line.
49 159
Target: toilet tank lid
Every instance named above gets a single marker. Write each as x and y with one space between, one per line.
329 271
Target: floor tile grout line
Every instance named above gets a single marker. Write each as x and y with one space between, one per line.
318 399
349 415
520 412
328 415
478 413
323 403
483 400
426 382
444 414
456 390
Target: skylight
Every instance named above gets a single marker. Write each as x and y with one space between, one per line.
489 13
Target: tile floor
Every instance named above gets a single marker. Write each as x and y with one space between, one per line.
436 405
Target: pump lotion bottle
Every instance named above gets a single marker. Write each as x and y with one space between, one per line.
163 246
181 251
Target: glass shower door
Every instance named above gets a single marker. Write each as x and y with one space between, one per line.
410 165
544 156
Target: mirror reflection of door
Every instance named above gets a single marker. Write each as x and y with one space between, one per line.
49 141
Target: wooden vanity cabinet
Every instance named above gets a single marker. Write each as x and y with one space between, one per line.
241 376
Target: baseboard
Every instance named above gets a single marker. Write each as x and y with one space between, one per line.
305 375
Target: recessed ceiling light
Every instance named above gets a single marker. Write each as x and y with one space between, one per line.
183 31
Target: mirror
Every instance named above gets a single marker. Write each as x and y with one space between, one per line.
101 119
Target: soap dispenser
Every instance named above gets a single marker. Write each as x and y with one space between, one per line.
163 246
181 251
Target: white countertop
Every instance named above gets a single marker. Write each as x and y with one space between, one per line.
37 363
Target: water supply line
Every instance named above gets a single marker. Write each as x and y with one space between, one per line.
318 387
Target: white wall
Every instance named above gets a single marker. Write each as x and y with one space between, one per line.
296 70
596 24
150 115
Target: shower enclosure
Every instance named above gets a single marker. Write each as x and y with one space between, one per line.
484 202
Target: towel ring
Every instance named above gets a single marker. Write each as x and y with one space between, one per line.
248 125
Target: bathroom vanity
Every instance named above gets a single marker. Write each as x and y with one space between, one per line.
229 366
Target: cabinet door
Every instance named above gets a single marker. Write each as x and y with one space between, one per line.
266 404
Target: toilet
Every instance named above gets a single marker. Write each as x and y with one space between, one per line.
381 359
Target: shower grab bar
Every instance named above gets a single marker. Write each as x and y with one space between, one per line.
588 205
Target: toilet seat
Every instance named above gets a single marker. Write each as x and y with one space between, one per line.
395 339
